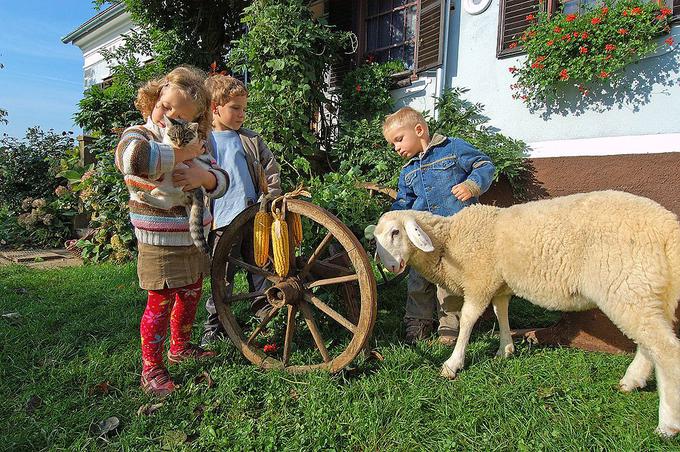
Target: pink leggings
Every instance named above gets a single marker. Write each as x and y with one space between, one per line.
176 307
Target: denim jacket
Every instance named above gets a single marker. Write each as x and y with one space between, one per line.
426 180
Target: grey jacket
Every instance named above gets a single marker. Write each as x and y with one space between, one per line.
261 162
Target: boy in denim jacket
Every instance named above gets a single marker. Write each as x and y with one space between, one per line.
443 175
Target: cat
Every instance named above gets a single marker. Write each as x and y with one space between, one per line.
180 133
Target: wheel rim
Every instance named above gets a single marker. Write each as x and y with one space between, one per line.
300 297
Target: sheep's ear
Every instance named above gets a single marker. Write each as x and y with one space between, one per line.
417 236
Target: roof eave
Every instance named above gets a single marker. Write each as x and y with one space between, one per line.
101 18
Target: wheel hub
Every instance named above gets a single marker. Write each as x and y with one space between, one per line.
288 291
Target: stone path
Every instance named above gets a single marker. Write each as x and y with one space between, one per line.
40 258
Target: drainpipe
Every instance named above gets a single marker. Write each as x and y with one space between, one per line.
441 71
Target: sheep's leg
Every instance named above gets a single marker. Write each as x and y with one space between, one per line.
638 372
652 331
472 310
666 356
500 307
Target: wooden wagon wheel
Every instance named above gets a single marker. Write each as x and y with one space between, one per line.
307 313
386 277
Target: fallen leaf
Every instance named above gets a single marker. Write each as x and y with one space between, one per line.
148 409
375 354
204 377
33 403
102 388
103 427
173 438
12 317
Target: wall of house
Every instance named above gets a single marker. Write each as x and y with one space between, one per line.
108 36
645 106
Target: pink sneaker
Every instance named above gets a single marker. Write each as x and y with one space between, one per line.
157 382
190 352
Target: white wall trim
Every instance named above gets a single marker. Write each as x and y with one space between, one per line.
634 144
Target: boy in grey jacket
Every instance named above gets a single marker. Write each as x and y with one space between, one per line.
251 166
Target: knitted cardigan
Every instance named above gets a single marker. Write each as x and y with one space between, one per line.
144 161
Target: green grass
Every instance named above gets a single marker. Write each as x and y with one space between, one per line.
79 328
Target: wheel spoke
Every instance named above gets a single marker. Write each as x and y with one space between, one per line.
254 269
290 331
262 324
244 296
335 315
338 280
311 324
333 267
317 252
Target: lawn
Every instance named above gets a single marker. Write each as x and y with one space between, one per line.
71 358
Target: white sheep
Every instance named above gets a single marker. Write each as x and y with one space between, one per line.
611 250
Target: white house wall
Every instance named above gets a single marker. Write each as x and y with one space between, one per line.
591 130
108 37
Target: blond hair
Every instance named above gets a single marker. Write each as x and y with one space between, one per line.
223 88
405 116
187 79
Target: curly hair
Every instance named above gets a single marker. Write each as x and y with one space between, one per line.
189 80
223 87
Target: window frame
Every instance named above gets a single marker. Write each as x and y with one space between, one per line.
363 18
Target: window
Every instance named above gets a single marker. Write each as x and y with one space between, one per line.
391 30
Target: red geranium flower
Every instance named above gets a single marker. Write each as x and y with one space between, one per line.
595 20
623 31
635 11
512 69
576 34
270 348
669 41
583 50
540 58
604 10
666 11
609 47
549 43
566 37
530 17
512 45
358 88
660 17
584 35
603 74
608 57
564 75
570 17
557 30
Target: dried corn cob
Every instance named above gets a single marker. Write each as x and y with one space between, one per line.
280 245
295 225
261 230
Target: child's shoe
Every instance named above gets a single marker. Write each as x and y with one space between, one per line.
189 352
157 382
417 329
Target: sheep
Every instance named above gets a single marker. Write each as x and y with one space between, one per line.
608 249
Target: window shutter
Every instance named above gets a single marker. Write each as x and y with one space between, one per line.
430 32
341 15
512 23
676 10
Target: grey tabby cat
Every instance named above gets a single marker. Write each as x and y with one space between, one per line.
179 133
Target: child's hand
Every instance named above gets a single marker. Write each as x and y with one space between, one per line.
462 192
193 177
189 151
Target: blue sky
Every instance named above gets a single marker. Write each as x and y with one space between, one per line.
42 80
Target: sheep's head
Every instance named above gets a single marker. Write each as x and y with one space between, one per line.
397 235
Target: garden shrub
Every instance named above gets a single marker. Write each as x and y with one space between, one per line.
287 54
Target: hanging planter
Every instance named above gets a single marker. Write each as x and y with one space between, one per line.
582 49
